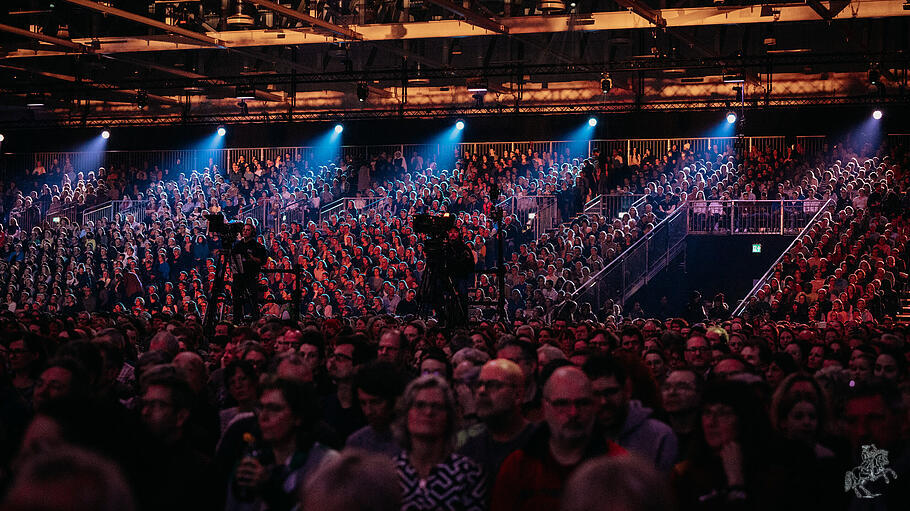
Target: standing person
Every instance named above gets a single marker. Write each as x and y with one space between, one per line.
248 256
430 474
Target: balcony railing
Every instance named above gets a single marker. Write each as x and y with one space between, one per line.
727 217
111 210
612 205
626 274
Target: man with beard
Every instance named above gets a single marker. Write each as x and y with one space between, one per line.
499 395
532 478
624 419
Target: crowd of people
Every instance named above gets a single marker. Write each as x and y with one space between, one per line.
356 261
107 411
117 399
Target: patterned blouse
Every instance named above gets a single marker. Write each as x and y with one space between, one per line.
456 484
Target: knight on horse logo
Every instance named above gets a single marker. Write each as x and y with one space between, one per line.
873 467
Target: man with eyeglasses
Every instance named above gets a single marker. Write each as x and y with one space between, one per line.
698 353
340 408
625 420
532 478
503 430
681 394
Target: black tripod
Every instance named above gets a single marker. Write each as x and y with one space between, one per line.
437 294
217 295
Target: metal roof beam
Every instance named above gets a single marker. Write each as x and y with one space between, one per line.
94 85
617 20
56 41
644 11
299 16
472 17
120 13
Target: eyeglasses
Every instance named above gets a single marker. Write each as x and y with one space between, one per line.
718 412
678 387
491 385
429 406
342 356
564 405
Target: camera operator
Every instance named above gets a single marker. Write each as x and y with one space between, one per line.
460 265
248 256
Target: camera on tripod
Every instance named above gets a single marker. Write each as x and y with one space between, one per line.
433 225
217 224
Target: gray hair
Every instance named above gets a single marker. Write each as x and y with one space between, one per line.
427 381
473 355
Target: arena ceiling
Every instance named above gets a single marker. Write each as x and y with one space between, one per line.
110 62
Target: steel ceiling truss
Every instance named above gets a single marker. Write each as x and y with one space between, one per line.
464 111
697 66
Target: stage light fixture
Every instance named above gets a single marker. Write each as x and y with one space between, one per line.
362 92
877 115
244 108
592 122
606 83
459 125
731 117
222 131
2 138
105 134
339 128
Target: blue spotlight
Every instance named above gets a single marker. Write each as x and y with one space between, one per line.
221 131
339 128
731 117
105 134
877 115
592 122
459 125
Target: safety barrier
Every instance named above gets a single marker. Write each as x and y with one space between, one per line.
727 217
115 211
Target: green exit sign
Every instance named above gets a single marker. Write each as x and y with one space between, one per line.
756 248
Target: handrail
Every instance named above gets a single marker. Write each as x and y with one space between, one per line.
741 307
619 258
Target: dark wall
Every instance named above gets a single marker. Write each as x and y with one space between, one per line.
806 121
712 264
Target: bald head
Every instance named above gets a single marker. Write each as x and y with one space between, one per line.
503 368
567 379
500 389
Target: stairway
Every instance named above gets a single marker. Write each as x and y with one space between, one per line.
903 315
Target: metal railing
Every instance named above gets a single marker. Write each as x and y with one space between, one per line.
182 160
826 206
611 205
112 209
540 212
626 274
727 217
71 212
355 206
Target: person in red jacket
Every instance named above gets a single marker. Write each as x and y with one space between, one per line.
532 478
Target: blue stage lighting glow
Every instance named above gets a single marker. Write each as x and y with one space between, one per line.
221 131
592 122
877 115
459 125
731 117
339 128
105 134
